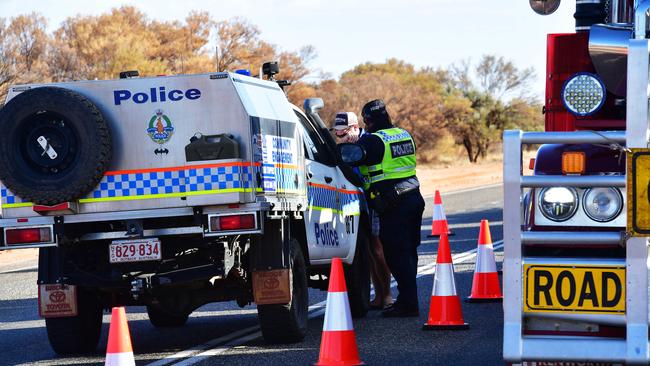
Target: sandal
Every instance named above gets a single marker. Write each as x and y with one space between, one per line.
380 307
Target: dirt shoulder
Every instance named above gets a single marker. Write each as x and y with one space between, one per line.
17 258
462 175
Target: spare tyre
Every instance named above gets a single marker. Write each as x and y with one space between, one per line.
55 145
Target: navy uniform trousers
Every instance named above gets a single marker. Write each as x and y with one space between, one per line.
399 232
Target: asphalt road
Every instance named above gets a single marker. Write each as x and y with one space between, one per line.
224 334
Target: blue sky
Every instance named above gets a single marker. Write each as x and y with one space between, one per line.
348 32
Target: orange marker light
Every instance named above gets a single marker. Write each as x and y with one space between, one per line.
573 162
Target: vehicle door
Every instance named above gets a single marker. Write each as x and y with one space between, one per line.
324 225
350 198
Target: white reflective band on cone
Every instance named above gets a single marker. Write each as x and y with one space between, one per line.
485 262
337 312
438 212
443 284
119 359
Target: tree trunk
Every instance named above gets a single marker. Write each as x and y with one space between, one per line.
469 148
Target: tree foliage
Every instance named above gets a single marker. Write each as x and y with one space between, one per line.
473 103
100 47
478 107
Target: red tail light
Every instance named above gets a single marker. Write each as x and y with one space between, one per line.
28 235
233 222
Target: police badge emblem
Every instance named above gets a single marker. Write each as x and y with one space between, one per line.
160 127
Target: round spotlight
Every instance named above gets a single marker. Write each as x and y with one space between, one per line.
583 94
558 203
602 204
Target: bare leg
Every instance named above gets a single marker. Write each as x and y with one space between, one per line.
382 282
376 282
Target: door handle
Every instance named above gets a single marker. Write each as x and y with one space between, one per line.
328 179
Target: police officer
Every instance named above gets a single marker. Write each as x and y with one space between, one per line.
393 191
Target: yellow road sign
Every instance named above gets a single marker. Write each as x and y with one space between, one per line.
574 289
638 181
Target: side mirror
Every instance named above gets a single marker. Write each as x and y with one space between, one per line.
313 105
351 154
544 7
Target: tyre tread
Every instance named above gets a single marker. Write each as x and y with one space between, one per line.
90 175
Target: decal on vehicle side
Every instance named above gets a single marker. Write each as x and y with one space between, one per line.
160 127
326 235
155 95
277 153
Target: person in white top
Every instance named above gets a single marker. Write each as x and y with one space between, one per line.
346 129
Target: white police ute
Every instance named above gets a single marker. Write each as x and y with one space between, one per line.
173 192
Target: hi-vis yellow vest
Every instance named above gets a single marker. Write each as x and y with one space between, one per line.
398 161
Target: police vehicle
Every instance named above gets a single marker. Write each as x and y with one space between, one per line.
173 192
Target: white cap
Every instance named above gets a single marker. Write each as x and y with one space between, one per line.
344 120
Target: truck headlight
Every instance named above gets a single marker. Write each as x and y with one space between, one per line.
558 203
583 94
602 204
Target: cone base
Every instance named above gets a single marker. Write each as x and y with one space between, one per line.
451 233
339 348
463 326
347 364
483 299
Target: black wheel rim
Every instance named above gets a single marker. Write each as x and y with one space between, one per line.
61 148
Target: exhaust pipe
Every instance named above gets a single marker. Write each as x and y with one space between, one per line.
588 13
620 12
641 14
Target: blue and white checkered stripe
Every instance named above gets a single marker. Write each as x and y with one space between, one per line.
157 184
350 203
8 198
322 198
171 182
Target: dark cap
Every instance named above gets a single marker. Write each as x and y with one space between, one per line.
374 108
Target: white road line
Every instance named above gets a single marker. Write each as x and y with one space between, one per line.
427 227
222 344
19 269
450 193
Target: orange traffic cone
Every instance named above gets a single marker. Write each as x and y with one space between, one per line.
445 311
119 351
485 285
338 345
439 223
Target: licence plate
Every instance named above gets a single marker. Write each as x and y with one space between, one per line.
138 250
574 289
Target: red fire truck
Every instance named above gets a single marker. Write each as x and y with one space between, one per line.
575 231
